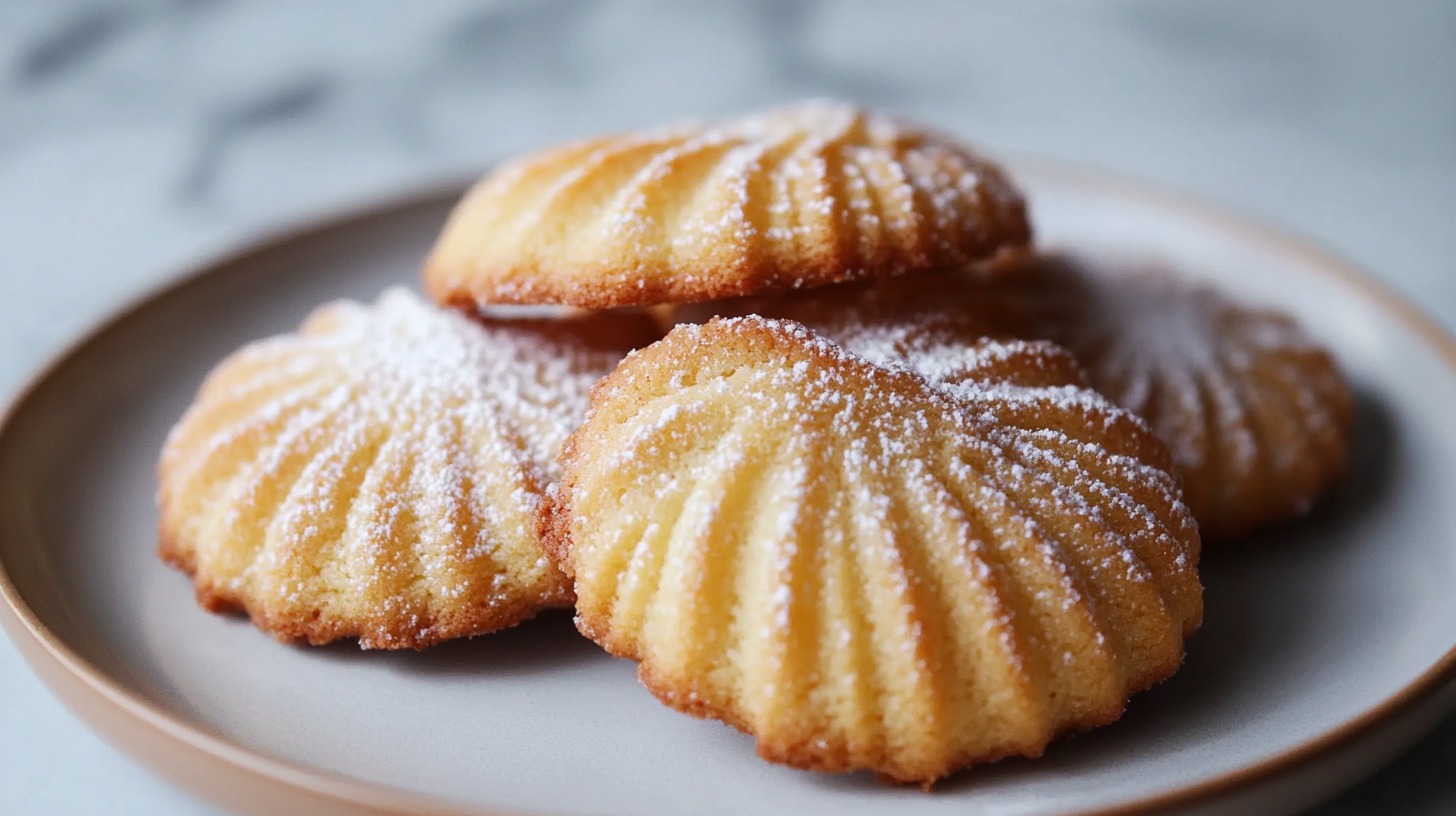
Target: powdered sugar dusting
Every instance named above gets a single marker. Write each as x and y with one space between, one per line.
1245 399
767 201
917 488
385 463
521 387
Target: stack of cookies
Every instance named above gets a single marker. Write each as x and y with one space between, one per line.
822 443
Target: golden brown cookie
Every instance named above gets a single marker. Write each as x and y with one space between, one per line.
867 570
795 197
1254 410
377 474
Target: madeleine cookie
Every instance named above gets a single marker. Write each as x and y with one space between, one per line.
377 474
864 569
1255 411
801 196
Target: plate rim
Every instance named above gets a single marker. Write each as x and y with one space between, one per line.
46 652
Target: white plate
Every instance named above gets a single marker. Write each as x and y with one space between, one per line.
1328 644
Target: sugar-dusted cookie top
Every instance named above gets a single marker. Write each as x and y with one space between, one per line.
927 323
867 569
1254 410
377 473
800 196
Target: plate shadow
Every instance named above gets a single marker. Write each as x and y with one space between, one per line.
546 643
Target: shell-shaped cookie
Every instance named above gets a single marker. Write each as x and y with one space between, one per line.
377 474
801 196
1255 412
866 570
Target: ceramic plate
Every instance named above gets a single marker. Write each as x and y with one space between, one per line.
1328 644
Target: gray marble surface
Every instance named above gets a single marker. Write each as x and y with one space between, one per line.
139 137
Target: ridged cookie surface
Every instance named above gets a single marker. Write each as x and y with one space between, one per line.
1254 410
795 197
866 570
377 474
926 322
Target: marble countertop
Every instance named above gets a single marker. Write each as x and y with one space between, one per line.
139 136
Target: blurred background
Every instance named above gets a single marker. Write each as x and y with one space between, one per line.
138 137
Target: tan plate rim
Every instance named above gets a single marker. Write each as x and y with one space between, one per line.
225 772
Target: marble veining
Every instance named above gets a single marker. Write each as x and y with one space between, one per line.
296 98
72 43
137 136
